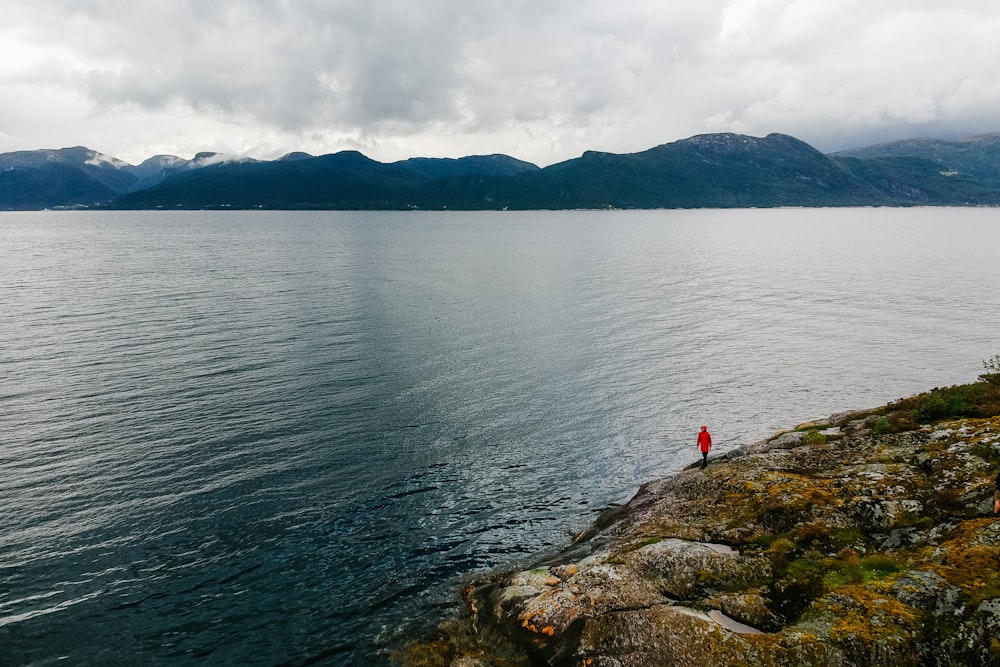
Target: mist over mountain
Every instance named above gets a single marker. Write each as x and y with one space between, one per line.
711 171
45 178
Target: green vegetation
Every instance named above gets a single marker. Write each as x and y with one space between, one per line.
977 400
800 581
801 576
641 543
813 437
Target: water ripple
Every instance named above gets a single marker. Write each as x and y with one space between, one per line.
284 438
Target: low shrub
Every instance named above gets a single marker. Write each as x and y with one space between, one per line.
980 399
992 367
940 403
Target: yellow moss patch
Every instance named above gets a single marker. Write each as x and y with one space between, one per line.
974 569
810 531
874 613
775 491
790 491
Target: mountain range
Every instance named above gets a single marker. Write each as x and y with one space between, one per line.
711 171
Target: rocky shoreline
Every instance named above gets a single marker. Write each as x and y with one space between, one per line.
863 539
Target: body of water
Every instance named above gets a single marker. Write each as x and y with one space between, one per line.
287 438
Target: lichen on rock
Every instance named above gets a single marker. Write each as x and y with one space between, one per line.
855 548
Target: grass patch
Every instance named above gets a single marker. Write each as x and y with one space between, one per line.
879 566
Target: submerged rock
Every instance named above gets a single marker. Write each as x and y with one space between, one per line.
849 549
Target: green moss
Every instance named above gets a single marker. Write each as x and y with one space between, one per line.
649 540
915 520
806 568
845 537
813 573
635 546
813 437
763 540
835 579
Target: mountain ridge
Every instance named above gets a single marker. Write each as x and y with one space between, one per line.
721 170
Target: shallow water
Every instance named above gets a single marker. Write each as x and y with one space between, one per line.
287 438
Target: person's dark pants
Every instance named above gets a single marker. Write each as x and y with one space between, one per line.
704 459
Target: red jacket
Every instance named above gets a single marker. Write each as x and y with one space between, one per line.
704 441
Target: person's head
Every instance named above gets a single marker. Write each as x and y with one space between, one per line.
704 428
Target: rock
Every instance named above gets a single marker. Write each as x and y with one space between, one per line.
975 640
749 608
677 567
660 636
926 589
862 550
787 440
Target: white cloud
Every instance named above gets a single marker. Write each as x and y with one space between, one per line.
542 80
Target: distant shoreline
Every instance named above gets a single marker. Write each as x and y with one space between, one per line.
724 170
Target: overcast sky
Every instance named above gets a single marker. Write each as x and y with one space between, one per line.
542 80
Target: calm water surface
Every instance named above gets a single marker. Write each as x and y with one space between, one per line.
287 438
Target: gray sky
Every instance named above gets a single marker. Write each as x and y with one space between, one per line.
541 80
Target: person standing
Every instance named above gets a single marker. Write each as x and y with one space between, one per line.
705 443
996 494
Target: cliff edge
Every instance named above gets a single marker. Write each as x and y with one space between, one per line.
868 538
